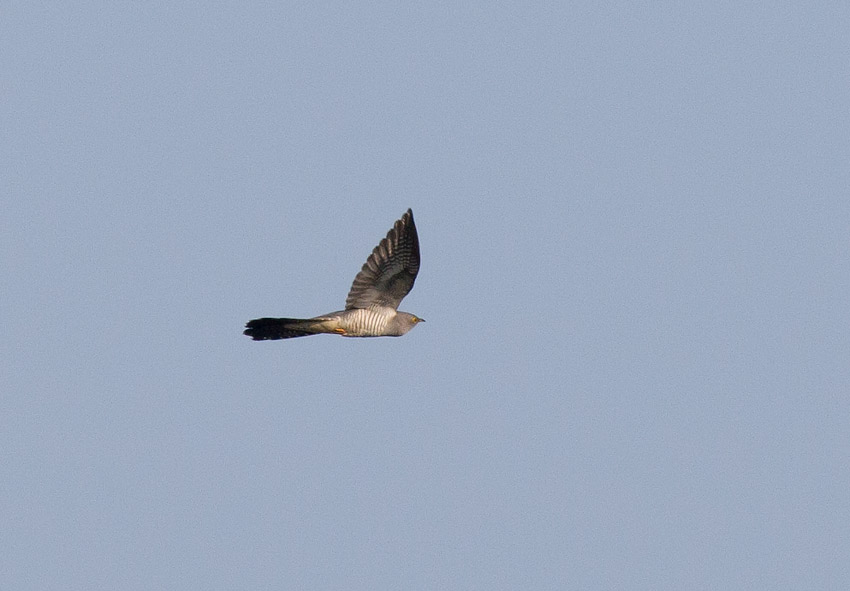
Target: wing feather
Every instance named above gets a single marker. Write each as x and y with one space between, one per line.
390 271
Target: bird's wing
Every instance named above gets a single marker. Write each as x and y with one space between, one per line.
389 272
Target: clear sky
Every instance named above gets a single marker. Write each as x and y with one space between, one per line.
635 226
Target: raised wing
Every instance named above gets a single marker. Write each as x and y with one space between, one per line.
389 272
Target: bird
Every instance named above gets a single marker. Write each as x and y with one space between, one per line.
371 308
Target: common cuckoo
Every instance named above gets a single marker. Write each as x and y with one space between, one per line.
371 308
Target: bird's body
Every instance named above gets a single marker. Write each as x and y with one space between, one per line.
360 322
371 308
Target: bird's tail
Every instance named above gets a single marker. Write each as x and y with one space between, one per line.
272 329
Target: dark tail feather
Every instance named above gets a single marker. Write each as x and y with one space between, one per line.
272 329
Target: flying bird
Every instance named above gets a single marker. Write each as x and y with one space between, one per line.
371 308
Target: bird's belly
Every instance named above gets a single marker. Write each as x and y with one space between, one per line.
367 322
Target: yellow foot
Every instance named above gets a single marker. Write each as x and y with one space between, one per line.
339 330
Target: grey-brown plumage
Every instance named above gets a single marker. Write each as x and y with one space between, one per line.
371 308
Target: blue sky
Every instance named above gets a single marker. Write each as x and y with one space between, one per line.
634 229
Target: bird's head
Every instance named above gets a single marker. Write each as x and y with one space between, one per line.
406 321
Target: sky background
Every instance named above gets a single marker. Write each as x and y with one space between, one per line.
635 224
